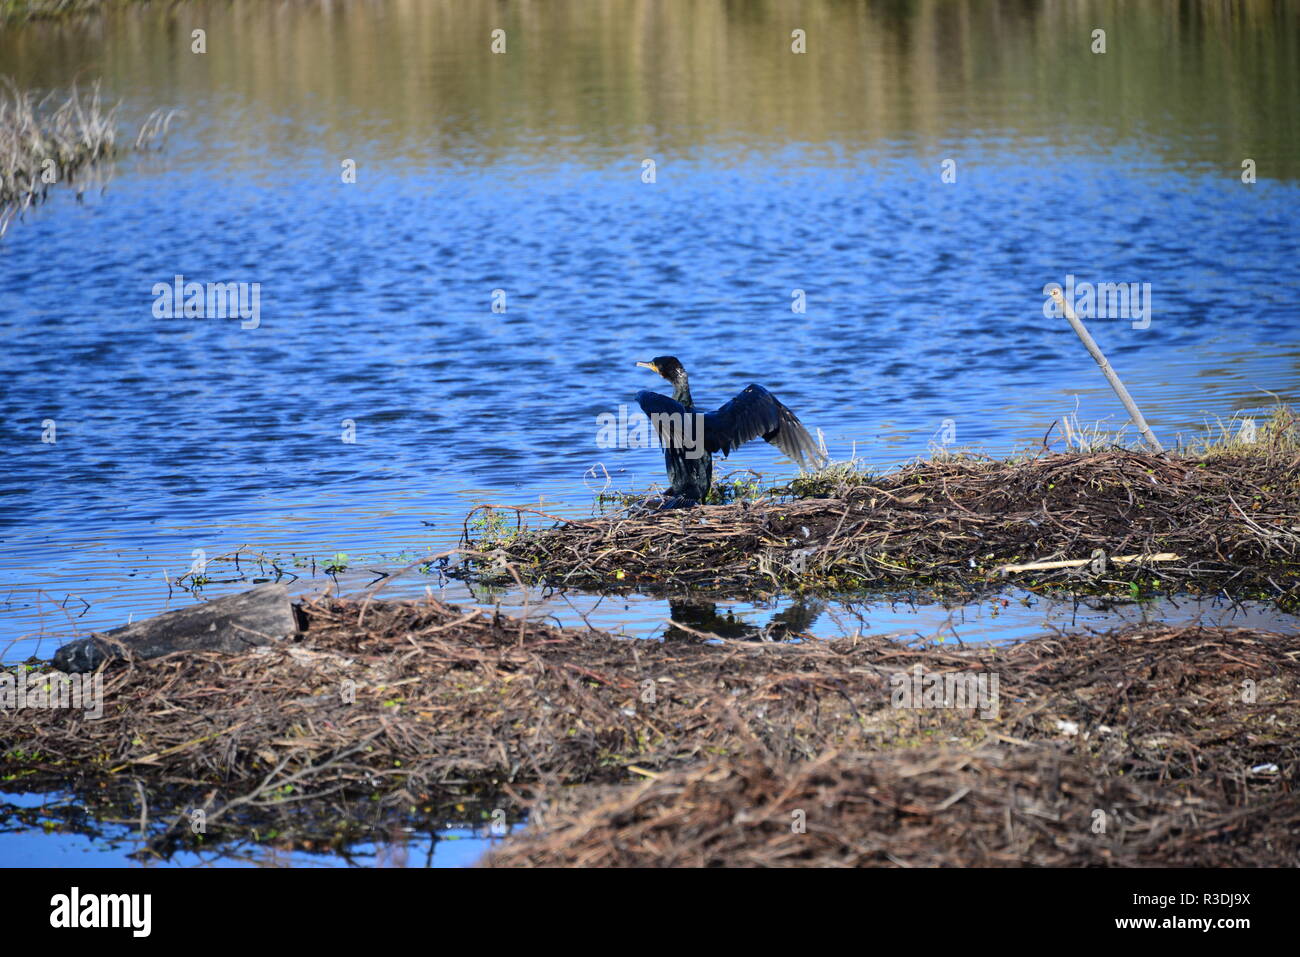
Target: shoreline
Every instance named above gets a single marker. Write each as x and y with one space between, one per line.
379 711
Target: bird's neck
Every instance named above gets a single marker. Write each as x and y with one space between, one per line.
682 393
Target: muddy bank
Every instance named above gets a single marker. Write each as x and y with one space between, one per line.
398 708
1128 522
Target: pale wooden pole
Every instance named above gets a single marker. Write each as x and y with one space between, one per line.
1129 405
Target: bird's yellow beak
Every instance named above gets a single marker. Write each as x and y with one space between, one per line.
648 365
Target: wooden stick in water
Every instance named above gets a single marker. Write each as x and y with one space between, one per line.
1129 405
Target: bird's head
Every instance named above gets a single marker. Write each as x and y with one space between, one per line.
668 367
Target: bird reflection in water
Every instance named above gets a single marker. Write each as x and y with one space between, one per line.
703 619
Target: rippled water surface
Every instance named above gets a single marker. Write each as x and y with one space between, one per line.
523 172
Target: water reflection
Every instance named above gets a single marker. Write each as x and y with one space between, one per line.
415 81
43 830
703 620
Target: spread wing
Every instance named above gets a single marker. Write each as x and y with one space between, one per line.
666 414
757 413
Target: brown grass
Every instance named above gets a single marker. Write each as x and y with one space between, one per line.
995 806
58 140
1233 520
453 704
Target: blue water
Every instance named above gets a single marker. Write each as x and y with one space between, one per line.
924 303
31 845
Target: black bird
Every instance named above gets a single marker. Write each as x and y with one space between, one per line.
754 413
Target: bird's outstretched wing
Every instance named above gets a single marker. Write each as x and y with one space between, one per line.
757 413
667 415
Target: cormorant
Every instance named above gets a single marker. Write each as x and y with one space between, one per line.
753 413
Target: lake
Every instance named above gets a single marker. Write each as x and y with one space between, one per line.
626 180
